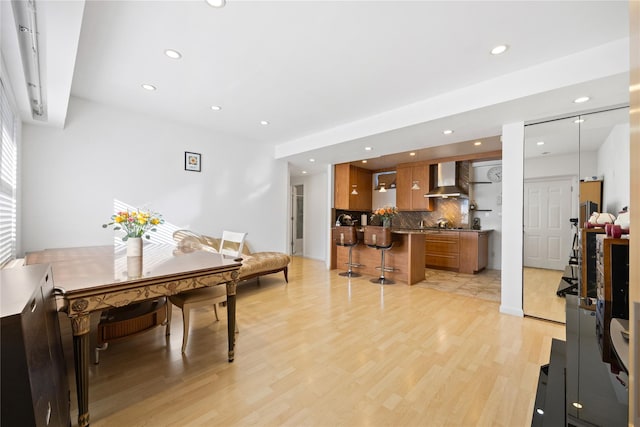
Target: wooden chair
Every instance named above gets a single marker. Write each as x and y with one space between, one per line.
231 244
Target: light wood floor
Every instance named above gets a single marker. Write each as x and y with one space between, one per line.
325 350
540 298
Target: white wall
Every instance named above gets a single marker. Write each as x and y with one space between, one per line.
380 200
614 166
512 202
489 196
316 215
561 165
71 177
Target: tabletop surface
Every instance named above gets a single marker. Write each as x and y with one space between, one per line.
99 267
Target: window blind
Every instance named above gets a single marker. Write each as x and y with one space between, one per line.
8 178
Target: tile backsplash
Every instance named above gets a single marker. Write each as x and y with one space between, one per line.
451 209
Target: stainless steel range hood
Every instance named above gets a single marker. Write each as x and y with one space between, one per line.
448 184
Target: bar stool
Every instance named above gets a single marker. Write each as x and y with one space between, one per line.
344 235
379 238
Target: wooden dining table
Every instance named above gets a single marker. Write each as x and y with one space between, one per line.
89 279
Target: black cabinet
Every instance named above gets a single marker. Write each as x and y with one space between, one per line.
612 290
35 389
577 387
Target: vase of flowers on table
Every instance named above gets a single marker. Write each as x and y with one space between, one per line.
385 214
136 225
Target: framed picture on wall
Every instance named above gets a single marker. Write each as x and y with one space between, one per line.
192 162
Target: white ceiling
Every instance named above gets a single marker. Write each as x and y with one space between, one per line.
332 77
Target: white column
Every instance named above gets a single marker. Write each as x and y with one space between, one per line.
512 202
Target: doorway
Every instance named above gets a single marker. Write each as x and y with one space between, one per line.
547 231
297 220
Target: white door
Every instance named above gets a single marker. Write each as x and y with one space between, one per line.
297 220
547 229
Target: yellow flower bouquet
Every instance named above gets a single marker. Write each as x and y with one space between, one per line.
135 223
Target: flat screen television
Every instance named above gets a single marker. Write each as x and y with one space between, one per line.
586 209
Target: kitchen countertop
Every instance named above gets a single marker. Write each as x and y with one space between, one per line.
436 229
424 230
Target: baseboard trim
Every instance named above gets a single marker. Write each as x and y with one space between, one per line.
511 311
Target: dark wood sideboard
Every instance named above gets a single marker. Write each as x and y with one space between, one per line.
587 261
35 388
612 265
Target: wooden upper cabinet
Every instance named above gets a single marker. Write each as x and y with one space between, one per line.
403 188
341 186
348 178
421 178
365 190
408 199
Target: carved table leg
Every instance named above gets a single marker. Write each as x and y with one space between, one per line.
231 314
81 354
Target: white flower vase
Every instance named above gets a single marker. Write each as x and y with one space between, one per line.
134 246
134 267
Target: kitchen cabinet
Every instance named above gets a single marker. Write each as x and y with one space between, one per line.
474 251
442 249
35 389
407 198
462 251
347 179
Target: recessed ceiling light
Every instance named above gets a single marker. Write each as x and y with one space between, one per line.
540 411
581 99
540 143
447 132
578 121
216 3
412 154
368 148
173 54
149 87
304 171
312 160
364 161
499 49
477 143
216 107
577 405
264 122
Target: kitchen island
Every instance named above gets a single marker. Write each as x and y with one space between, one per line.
461 250
406 257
